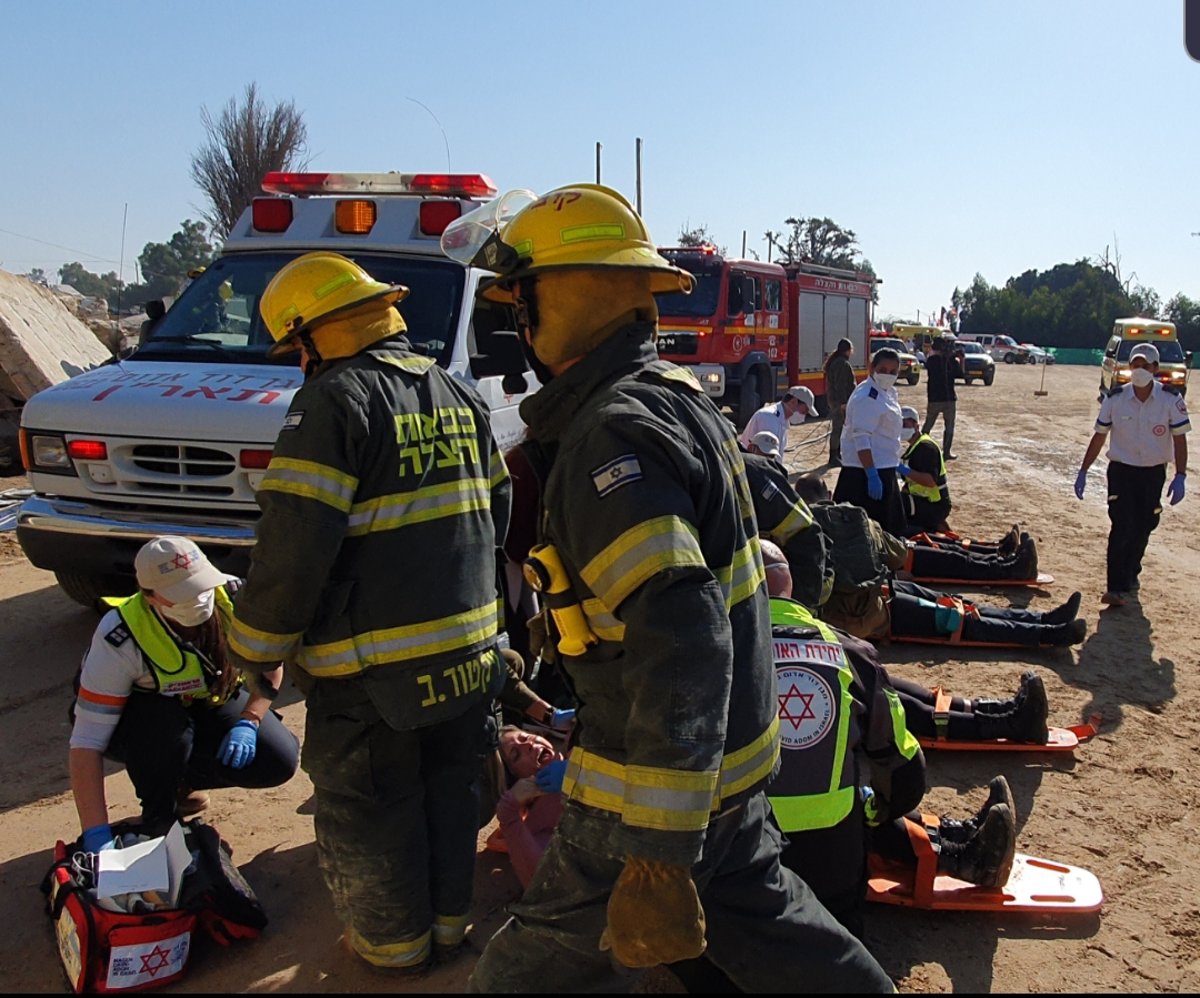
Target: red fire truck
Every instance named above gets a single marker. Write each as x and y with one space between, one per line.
751 329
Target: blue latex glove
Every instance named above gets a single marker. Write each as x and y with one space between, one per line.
561 720
903 470
874 484
238 747
1080 484
1177 487
549 778
97 838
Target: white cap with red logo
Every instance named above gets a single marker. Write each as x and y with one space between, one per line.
176 569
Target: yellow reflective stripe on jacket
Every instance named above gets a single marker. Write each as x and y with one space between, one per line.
499 469
907 745
310 480
400 644
741 580
744 767
260 646
418 506
602 622
737 477
666 799
798 518
639 554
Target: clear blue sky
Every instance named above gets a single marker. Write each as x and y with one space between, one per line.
991 136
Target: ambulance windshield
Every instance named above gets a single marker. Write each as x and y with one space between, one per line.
216 317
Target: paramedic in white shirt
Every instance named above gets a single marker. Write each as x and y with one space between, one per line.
1145 424
871 446
796 406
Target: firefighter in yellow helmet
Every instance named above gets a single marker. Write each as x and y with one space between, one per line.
384 469
667 848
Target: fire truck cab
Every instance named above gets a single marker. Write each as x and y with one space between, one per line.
176 437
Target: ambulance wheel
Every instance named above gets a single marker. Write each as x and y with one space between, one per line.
88 590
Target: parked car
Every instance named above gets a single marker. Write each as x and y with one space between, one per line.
977 363
1037 355
999 346
910 367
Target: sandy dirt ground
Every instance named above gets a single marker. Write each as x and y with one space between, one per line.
1123 805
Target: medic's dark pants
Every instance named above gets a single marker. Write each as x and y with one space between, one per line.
396 821
765 930
1134 508
168 746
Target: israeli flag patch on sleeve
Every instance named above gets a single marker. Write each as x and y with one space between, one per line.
619 471
292 419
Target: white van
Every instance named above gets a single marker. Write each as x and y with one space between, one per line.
1000 346
175 438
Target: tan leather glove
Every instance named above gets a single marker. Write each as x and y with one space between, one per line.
654 915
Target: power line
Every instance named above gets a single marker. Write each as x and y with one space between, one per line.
91 257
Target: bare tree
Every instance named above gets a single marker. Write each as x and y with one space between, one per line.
243 144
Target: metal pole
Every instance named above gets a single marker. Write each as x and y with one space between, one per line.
743 244
639 176
598 148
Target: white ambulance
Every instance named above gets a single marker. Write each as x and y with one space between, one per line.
175 437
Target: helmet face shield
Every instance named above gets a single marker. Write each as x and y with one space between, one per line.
476 239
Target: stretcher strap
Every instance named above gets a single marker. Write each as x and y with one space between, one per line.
941 713
927 857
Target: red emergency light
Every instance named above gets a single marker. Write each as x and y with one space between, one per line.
255 459
271 214
87 450
436 215
446 184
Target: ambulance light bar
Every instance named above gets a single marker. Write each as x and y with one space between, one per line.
446 184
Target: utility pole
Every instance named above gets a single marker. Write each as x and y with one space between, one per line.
598 148
639 175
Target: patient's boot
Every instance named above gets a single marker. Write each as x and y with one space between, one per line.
955 830
1066 613
1025 564
1026 722
1063 635
985 859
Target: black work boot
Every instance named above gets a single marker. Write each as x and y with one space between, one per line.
985 859
1024 723
1025 564
1066 613
1063 635
990 706
961 830
1009 542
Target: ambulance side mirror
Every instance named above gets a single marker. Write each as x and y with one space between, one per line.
503 357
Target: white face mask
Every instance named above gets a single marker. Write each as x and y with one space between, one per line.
906 432
190 614
796 418
1141 376
884 381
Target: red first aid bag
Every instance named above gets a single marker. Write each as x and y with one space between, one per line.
104 951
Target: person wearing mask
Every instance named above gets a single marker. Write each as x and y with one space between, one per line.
795 407
1146 426
871 446
941 367
384 461
666 848
839 385
158 692
926 492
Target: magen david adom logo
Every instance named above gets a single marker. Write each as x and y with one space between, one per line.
805 706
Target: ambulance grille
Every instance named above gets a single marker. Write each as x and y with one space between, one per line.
183 469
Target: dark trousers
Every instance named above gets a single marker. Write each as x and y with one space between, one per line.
396 819
994 624
947 412
766 931
918 702
167 746
837 416
960 563
1134 509
888 511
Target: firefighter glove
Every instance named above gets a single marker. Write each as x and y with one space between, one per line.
874 484
654 915
237 749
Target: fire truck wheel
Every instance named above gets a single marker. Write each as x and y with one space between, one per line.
750 399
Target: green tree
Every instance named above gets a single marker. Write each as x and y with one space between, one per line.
694 237
818 240
106 286
244 143
1185 313
165 266
38 276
